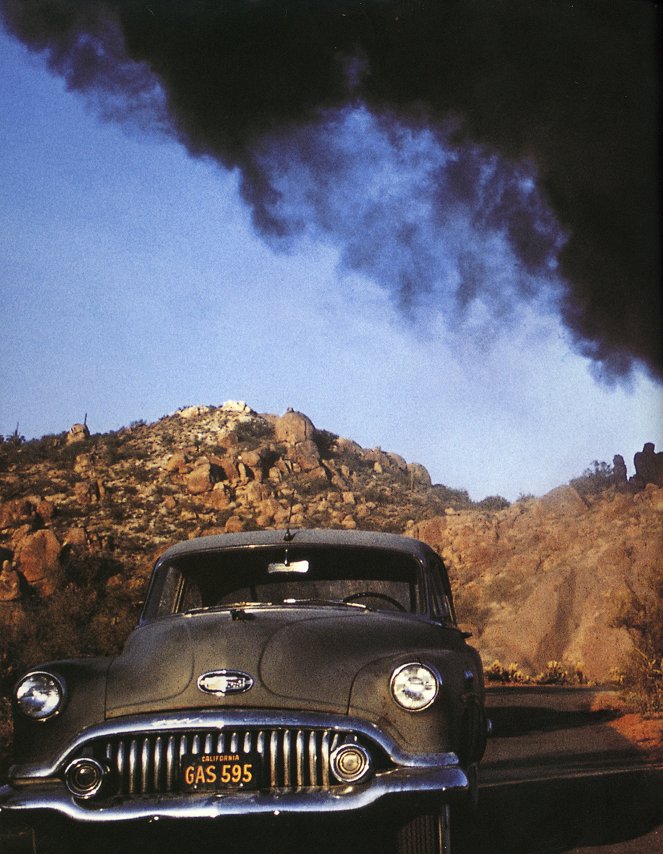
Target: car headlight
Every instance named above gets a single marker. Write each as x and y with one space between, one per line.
414 686
39 695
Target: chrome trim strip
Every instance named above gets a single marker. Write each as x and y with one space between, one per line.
273 753
325 751
144 766
171 767
299 753
287 779
158 758
313 758
133 759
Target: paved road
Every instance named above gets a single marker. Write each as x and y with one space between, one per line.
547 732
557 778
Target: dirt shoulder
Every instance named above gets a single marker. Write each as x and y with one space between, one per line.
644 732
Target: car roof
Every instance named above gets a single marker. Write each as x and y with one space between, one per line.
317 537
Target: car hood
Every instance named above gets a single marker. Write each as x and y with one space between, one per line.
298 657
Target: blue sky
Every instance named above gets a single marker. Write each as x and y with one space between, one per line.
133 283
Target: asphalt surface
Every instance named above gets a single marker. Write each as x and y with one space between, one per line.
556 778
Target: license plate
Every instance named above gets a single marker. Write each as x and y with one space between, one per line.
213 771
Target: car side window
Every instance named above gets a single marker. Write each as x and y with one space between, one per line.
441 603
191 596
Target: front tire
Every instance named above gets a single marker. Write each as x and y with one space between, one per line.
428 833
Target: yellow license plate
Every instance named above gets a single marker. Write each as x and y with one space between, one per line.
213 771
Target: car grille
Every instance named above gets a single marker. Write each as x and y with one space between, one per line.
149 763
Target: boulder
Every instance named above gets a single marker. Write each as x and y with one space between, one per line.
397 461
83 463
88 492
562 501
305 454
219 498
203 477
78 433
234 525
294 427
237 406
45 510
77 537
227 467
255 492
175 462
269 508
18 511
10 583
419 475
253 459
189 412
38 556
347 446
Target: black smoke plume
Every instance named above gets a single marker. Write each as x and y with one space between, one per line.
567 87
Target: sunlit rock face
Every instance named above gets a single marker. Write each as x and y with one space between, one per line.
543 579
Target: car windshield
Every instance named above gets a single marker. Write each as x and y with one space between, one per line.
290 577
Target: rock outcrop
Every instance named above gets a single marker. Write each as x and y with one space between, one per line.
542 579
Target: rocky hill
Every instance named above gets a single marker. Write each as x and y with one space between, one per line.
545 578
82 517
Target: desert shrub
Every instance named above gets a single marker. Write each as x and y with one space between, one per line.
594 480
80 617
554 674
86 570
512 673
459 499
493 502
325 443
254 432
641 614
561 673
16 449
378 495
76 620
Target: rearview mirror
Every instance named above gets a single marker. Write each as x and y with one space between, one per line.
300 566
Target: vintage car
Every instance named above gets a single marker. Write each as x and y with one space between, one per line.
280 673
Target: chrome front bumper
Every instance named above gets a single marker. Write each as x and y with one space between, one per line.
56 798
40 789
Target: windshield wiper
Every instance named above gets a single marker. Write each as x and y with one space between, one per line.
324 602
231 606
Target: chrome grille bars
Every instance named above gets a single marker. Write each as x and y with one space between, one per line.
148 763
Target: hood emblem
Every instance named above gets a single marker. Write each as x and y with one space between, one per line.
225 682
